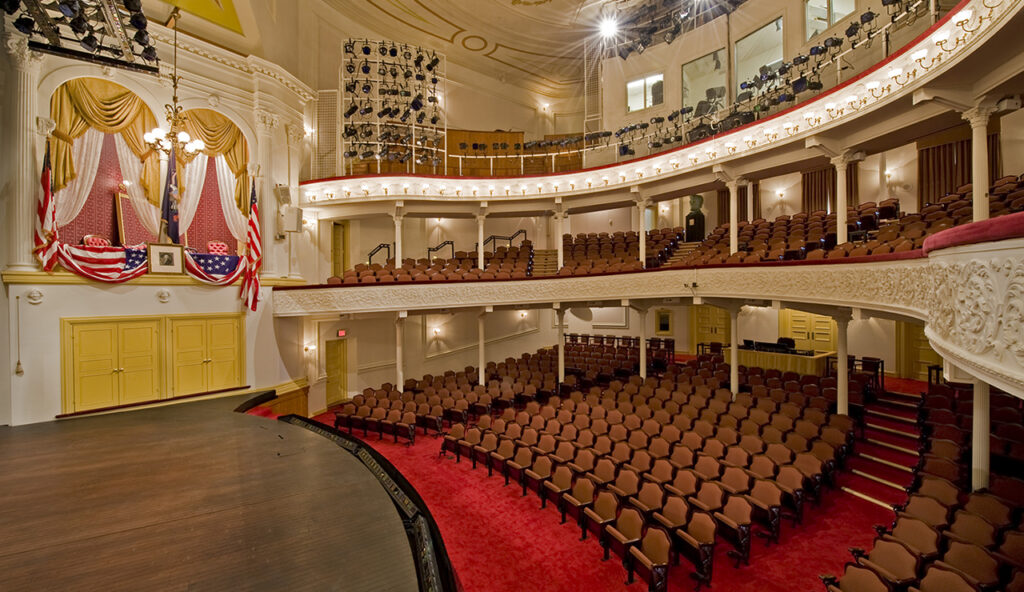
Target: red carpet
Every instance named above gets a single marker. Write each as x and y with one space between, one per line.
906 386
499 541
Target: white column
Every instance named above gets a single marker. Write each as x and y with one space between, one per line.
734 216
559 217
978 118
24 184
482 343
560 316
734 350
750 201
643 342
399 349
980 437
398 240
841 198
266 124
842 366
480 240
641 225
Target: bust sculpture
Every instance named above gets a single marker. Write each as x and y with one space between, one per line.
695 220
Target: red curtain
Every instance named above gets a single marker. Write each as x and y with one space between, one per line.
723 207
943 168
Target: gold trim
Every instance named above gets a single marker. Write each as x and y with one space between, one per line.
68 278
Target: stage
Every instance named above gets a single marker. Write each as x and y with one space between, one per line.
193 497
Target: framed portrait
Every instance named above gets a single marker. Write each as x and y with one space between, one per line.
663 322
166 259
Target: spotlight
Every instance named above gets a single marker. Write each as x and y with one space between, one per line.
69 8
421 117
351 110
624 51
867 17
418 62
141 37
817 50
367 154
405 157
25 24
90 43
382 49
417 103
800 60
149 54
799 85
365 67
138 20
366 110
366 49
833 42
608 27
350 68
133 5
351 153
384 113
434 61
366 88
405 115
434 119
626 150
853 30
350 48
11 6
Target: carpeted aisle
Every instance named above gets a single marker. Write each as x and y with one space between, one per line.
499 541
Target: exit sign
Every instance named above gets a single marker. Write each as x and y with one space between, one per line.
341 332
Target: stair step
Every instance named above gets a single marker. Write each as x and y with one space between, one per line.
890 445
892 416
885 462
883 495
892 426
888 400
885 482
865 497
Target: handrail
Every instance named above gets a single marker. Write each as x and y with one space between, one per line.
496 237
433 566
377 250
446 243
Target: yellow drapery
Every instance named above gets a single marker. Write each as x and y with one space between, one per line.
82 103
222 136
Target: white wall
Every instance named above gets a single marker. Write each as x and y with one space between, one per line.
1011 137
791 201
619 219
591 322
271 346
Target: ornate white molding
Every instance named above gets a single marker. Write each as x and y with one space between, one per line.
23 57
265 120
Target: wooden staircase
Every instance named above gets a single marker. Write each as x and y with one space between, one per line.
682 251
545 262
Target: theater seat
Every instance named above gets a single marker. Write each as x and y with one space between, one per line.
697 545
856 578
651 559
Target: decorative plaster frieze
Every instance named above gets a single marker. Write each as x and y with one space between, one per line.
265 120
23 57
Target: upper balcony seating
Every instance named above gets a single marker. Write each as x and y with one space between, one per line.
503 264
590 253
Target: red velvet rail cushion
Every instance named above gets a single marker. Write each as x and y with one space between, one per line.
991 230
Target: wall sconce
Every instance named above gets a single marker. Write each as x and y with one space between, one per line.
730 147
424 188
605 179
876 89
657 168
710 152
790 128
384 188
749 141
327 195
441 190
921 55
540 188
365 189
348 191
474 190
622 177
781 194
899 77
692 158
522 188
437 332
572 184
833 111
458 190
310 347
664 209
522 314
590 183
405 188
812 118
769 133
508 188
308 131
555 187
639 173
674 163
490 189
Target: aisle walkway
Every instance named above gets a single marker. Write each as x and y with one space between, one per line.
500 541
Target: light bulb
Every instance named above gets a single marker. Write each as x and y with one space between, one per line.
183 137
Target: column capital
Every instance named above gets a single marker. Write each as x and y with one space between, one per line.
846 158
842 315
398 217
295 133
24 58
978 116
45 126
266 121
641 201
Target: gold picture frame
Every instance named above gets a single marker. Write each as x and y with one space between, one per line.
663 322
166 259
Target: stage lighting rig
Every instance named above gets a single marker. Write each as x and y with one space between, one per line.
104 32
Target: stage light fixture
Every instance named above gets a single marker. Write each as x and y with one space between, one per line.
608 27
366 110
624 51
434 119
366 49
853 30
351 110
11 6
138 20
867 17
149 54
434 61
69 8
25 24
834 42
817 50
141 37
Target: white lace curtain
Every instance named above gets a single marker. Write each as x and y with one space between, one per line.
193 179
131 170
86 152
236 221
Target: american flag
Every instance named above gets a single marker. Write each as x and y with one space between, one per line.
218 270
253 255
46 245
105 264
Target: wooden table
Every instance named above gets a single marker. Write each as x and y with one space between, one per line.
816 365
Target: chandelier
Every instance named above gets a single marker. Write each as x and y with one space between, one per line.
175 138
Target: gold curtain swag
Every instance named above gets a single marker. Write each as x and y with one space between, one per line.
222 136
110 108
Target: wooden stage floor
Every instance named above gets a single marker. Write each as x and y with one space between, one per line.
192 497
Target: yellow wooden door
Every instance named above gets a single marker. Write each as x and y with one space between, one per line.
809 331
710 323
140 364
188 356
336 351
915 352
95 367
338 254
224 351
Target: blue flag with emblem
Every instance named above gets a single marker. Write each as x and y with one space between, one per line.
169 205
